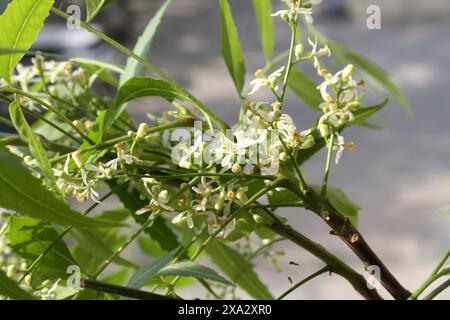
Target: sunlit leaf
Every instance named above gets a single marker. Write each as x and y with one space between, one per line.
30 238
20 25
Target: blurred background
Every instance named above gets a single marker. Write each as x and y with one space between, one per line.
400 176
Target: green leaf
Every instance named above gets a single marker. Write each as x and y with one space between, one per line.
101 244
147 272
364 113
36 148
143 45
21 23
94 7
151 247
191 269
30 238
238 269
9 288
139 87
231 47
100 69
342 203
305 88
23 193
263 12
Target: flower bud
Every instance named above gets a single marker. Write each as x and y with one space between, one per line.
283 156
28 280
68 190
258 219
28 160
78 158
348 71
308 143
324 130
220 202
242 196
353 105
39 62
142 130
299 50
273 82
260 74
236 168
11 271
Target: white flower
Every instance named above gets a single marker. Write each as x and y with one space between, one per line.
122 158
56 69
48 293
158 198
101 169
262 81
203 190
24 76
340 146
295 11
325 51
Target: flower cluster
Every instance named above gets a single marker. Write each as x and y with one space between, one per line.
259 143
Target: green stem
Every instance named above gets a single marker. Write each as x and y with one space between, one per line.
438 290
147 65
323 192
302 181
49 107
175 124
432 278
289 65
299 284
